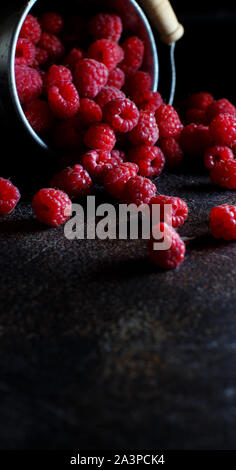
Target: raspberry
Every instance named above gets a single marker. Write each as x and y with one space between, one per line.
146 131
73 31
52 22
223 222
63 100
108 93
133 49
9 196
195 139
39 115
25 52
179 209
31 29
216 154
137 83
90 77
106 51
148 100
74 181
116 179
52 206
171 258
106 26
28 83
223 130
89 112
100 137
72 58
150 159
99 162
220 106
173 152
224 174
139 190
200 100
116 78
52 45
68 134
58 75
198 116
122 114
168 121
119 155
41 57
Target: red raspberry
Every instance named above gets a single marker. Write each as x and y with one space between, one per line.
168 121
200 100
89 112
223 222
150 160
106 51
74 31
108 93
116 78
9 196
68 134
195 139
216 154
116 179
138 82
106 26
100 137
52 22
139 190
146 132
171 258
224 174
133 49
90 77
74 181
173 152
179 209
63 100
148 100
39 115
52 206
28 83
52 45
25 52
41 57
119 155
198 116
31 29
73 57
122 114
58 75
223 130
220 106
99 162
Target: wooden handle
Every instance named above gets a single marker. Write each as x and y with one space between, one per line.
163 17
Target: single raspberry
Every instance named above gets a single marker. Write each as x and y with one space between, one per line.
198 116
116 78
133 49
63 100
90 77
68 134
195 139
220 106
223 130
74 31
106 51
139 190
224 174
39 116
99 162
100 137
108 93
173 152
31 29
72 58
116 179
150 159
106 26
216 154
172 257
51 22
9 196
148 100
74 181
89 112
146 132
179 209
137 83
168 121
58 75
52 206
199 100
41 57
52 45
122 114
28 83
223 222
25 52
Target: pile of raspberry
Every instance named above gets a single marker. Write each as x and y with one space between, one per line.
83 90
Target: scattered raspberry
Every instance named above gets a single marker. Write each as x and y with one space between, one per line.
52 22
223 130
223 222
171 258
72 58
74 181
52 45
216 154
146 132
179 209
200 100
168 121
116 78
58 75
68 134
89 112
31 29
138 82
99 162
224 174
90 77
122 114
41 57
28 83
139 190
116 179
100 137
107 94
52 206
195 139
9 196
198 116
220 106
148 100
106 26
63 100
150 160
25 52
173 152
106 51
134 52
39 116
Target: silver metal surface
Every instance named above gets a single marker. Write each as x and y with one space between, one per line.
173 73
